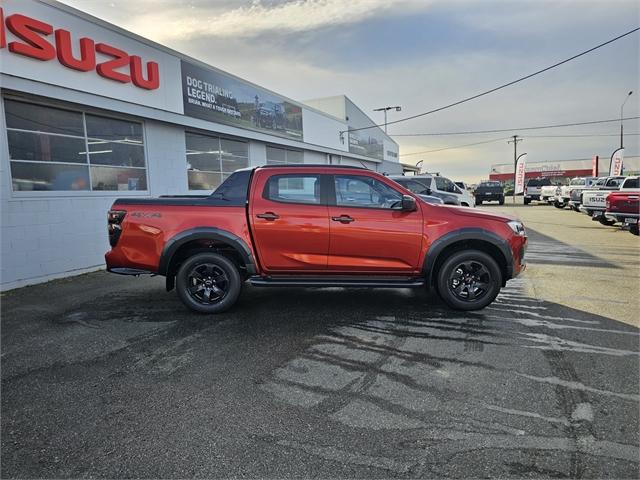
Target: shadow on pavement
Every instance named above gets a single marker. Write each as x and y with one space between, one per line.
123 381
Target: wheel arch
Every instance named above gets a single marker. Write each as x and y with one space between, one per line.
203 239
468 239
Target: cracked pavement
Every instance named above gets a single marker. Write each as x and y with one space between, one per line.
108 376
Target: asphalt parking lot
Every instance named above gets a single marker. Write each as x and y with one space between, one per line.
109 376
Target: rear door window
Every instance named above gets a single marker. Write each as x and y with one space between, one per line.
293 188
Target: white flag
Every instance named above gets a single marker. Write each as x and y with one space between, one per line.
616 165
520 171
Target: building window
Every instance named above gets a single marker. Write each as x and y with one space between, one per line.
281 156
210 160
52 149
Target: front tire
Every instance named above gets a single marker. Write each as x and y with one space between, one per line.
558 205
208 283
527 201
501 201
469 280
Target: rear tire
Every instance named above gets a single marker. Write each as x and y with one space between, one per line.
469 280
478 202
558 205
208 283
527 201
634 229
501 201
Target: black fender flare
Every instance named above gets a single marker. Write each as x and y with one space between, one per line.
205 233
438 246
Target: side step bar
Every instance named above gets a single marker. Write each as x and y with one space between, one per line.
129 271
336 282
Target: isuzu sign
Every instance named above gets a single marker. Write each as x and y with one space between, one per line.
39 40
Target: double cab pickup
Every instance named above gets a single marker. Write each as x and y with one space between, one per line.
313 226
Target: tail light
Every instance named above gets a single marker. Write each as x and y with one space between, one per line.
114 221
608 204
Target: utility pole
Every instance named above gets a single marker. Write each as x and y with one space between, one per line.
515 162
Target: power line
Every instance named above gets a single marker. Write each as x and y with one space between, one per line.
575 124
513 82
583 135
455 146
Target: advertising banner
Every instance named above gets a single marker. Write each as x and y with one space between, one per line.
594 166
616 165
520 173
213 96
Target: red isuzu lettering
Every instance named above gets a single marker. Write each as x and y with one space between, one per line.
313 226
31 41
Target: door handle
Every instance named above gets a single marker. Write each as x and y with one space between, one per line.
343 219
268 216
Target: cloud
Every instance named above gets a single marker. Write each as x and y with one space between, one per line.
423 55
260 18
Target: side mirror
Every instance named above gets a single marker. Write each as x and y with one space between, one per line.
408 203
426 191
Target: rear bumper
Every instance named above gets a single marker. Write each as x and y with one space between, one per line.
118 263
622 217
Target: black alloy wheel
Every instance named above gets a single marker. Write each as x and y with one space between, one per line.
469 280
208 283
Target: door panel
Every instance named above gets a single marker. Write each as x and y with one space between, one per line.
372 238
289 222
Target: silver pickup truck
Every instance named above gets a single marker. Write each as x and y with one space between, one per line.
576 185
594 202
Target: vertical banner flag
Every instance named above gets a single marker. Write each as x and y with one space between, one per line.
616 165
594 166
520 171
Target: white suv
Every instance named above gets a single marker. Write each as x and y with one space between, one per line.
444 185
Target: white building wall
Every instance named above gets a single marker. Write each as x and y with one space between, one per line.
315 157
166 159
322 130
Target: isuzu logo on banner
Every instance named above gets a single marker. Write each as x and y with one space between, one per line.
520 173
617 163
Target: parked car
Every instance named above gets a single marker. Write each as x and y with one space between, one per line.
533 188
443 186
419 189
313 226
576 184
594 201
489 192
464 186
427 182
624 206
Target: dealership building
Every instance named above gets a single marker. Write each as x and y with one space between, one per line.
563 170
90 113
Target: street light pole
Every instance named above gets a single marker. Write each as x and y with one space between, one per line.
385 110
515 162
621 127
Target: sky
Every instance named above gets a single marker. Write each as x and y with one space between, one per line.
421 55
